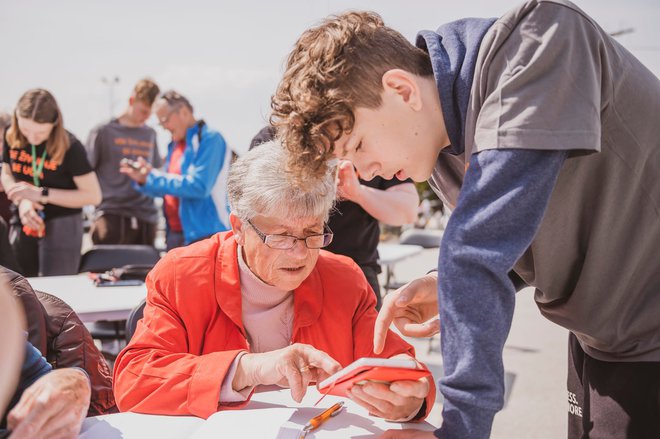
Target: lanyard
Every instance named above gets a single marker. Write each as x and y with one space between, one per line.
36 169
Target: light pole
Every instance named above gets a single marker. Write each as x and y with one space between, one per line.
624 31
111 82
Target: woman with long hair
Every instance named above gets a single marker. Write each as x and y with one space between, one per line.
47 176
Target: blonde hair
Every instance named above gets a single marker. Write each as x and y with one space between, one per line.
146 91
40 106
334 68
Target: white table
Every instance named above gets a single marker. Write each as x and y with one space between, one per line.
90 302
390 254
271 414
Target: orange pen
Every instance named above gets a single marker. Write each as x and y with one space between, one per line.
316 421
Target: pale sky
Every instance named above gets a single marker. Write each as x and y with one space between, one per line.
226 57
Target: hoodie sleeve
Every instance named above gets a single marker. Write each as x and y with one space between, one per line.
499 210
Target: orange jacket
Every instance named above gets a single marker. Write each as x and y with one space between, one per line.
192 328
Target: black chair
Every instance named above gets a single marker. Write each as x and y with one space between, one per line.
102 258
133 318
423 237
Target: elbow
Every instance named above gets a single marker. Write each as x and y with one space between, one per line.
123 403
406 216
125 384
95 197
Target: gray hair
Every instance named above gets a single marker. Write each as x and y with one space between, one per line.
175 100
260 183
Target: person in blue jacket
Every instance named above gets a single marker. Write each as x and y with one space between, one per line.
193 182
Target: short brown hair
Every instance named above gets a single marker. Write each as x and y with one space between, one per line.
40 106
146 91
334 68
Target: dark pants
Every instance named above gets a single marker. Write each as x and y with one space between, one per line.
371 273
611 399
57 253
109 228
7 258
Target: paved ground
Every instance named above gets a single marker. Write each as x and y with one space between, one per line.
535 358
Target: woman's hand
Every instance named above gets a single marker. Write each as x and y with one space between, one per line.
23 191
27 211
295 366
348 185
399 401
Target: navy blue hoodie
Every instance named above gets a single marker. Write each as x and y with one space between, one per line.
500 206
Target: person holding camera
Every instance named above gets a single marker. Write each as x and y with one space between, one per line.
193 181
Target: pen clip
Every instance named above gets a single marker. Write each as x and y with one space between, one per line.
336 412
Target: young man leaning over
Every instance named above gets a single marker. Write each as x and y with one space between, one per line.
541 131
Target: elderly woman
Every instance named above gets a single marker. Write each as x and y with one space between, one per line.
260 304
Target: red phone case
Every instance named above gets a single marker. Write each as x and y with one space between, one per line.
385 374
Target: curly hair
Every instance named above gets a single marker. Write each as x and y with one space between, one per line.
334 68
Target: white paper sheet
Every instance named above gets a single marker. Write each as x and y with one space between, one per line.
262 423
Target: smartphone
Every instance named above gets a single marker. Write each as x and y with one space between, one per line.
132 163
385 370
120 283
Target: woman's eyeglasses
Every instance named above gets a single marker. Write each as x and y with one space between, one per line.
286 242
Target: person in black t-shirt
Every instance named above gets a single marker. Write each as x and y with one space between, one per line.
361 206
47 176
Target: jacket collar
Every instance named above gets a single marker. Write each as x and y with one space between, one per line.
307 298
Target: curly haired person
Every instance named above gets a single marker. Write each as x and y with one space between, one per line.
540 131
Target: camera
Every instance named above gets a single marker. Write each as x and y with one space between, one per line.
132 163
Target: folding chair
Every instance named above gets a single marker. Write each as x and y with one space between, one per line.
135 316
101 258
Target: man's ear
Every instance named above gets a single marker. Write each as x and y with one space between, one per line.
403 84
131 100
237 228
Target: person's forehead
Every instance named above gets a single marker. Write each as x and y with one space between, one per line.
29 124
142 105
160 107
288 222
